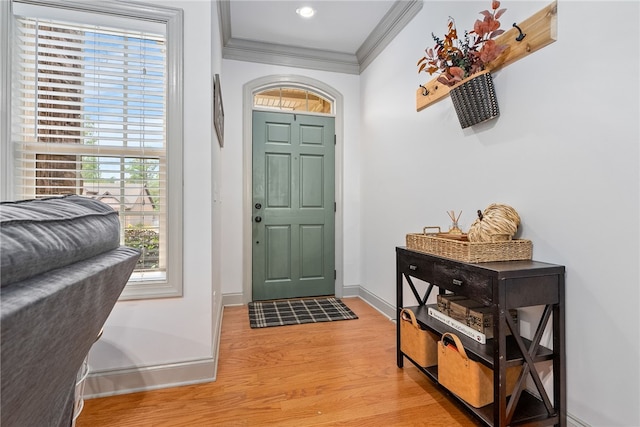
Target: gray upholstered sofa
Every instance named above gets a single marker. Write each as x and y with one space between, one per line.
62 270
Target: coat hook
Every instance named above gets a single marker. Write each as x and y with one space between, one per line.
521 36
425 91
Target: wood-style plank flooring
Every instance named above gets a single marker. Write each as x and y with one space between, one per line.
335 373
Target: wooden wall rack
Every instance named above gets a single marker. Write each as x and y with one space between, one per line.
540 30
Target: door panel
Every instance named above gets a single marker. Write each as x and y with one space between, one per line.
312 253
278 133
311 134
293 205
278 180
311 182
278 254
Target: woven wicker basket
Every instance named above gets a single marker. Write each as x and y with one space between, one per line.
466 378
463 250
419 344
475 99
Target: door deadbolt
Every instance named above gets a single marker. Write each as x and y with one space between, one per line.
258 219
258 206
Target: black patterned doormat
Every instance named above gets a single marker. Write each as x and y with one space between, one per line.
263 314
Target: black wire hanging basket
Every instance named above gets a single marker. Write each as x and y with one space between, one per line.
475 99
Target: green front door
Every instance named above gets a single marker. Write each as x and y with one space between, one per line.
293 205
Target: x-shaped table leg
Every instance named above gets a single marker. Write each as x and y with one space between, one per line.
421 300
528 365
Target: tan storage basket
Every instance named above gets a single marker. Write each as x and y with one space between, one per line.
462 250
420 345
468 379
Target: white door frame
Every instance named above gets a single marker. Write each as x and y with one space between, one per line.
249 89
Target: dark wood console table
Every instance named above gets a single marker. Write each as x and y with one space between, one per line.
502 286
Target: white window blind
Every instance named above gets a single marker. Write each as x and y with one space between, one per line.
89 117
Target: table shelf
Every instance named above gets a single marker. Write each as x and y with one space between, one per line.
479 352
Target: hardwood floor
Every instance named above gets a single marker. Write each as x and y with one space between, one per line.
335 373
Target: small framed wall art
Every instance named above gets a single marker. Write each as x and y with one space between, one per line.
218 110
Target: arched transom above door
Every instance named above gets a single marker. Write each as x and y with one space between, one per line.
284 98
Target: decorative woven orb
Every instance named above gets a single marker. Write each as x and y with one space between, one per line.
497 222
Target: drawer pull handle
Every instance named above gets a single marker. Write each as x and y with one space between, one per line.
413 267
457 282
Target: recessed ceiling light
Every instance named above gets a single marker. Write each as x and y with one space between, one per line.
306 12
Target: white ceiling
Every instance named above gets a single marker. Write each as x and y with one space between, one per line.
339 26
343 35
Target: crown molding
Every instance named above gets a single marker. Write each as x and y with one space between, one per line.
400 14
277 54
224 18
391 24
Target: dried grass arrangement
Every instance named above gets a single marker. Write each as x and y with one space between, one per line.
498 222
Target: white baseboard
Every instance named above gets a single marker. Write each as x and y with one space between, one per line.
379 304
122 381
351 291
575 422
217 332
232 299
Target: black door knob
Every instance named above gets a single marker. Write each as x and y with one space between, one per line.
258 219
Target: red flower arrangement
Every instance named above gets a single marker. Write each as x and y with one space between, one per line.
455 59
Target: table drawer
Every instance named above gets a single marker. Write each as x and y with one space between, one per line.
472 284
416 266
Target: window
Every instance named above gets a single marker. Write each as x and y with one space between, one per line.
292 99
93 114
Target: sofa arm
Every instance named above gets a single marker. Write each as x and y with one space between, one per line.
48 325
42 234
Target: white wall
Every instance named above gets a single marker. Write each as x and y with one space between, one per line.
236 75
564 153
147 335
216 186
